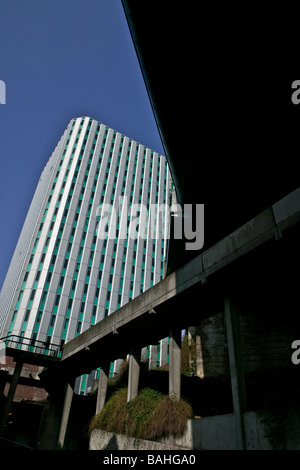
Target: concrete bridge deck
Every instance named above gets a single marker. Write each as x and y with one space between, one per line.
184 297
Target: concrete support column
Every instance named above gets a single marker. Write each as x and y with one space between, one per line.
117 366
133 373
175 363
3 380
102 386
144 353
236 369
196 361
65 415
153 356
10 396
49 425
164 347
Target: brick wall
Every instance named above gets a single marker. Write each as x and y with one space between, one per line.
24 392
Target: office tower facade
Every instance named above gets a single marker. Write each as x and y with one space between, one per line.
85 248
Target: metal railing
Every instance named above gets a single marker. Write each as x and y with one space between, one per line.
32 345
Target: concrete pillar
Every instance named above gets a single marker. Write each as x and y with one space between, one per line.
65 415
175 363
194 336
3 380
102 386
49 426
144 353
133 374
164 352
10 396
236 369
117 366
153 356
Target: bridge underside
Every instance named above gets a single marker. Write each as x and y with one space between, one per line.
217 78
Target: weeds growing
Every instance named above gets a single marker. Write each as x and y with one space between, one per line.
151 415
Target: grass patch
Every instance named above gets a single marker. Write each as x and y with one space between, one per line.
168 419
151 415
113 415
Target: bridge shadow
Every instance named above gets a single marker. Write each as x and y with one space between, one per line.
112 444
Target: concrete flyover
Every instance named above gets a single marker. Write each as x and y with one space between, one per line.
148 317
206 285
227 123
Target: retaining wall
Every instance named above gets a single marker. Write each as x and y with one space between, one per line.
263 431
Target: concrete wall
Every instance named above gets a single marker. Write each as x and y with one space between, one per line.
212 348
265 340
263 431
102 440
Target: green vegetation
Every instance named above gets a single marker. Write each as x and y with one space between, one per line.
188 356
151 415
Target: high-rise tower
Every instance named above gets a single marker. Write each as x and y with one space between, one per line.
87 245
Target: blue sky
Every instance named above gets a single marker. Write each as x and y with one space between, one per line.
61 59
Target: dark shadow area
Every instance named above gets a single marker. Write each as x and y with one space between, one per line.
276 389
112 444
6 444
23 424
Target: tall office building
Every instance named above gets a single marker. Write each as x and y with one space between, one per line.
86 246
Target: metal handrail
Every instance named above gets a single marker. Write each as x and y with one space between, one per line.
32 345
